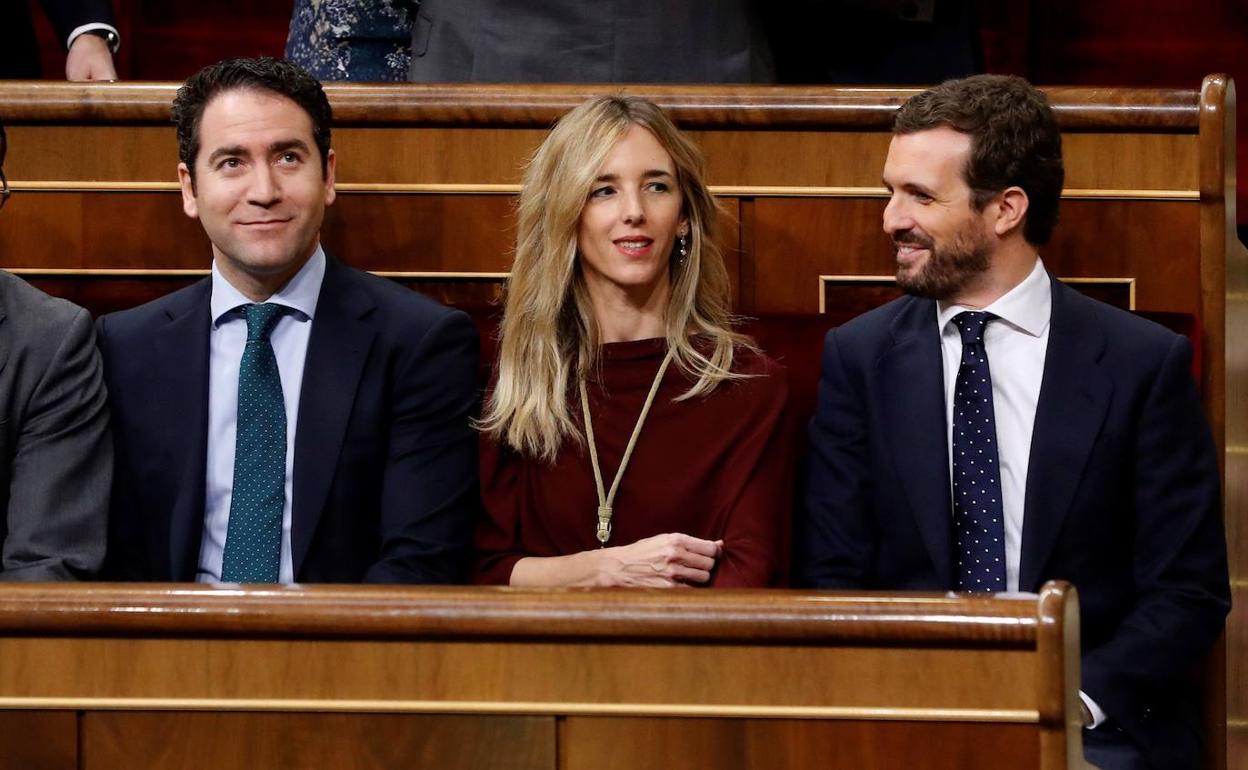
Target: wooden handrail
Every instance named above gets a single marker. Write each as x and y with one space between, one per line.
762 617
773 107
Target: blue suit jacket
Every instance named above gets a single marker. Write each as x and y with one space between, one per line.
1122 498
385 468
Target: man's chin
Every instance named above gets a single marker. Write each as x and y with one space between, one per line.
910 280
919 284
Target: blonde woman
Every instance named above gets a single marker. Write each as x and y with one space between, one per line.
631 437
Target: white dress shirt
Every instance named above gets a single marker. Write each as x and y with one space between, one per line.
227 338
1016 344
85 28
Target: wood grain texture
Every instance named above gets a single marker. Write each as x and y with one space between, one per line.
38 740
916 681
1152 243
595 743
163 740
475 155
774 616
537 106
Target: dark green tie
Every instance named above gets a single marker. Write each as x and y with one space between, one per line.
253 540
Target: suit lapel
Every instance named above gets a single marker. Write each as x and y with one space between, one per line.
181 397
914 418
342 334
1075 393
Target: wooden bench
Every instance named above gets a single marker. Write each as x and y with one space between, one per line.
106 676
428 174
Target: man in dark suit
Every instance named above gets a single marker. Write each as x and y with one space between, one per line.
287 419
86 27
571 41
997 429
55 451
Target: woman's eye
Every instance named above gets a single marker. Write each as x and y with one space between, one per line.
601 192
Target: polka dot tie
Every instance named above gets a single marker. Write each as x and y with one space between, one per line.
978 520
253 540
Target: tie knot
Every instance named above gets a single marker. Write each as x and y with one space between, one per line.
261 320
971 324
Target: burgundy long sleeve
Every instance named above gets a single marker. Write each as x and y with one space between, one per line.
717 467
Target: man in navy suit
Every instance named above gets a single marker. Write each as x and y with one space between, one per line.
995 429
287 419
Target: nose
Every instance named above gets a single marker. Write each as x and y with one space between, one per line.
896 216
632 211
264 189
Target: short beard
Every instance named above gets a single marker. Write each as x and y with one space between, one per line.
947 271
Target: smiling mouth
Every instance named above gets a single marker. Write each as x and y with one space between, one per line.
634 246
908 250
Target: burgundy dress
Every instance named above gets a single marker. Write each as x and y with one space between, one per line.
718 466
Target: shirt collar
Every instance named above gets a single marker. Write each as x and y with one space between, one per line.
300 293
1027 307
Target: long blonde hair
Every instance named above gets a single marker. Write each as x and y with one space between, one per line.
548 333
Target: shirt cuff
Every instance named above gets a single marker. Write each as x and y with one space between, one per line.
85 28
1098 716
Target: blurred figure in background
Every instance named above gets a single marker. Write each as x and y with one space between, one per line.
87 28
352 39
570 41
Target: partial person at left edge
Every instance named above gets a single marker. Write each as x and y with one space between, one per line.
287 419
86 28
55 452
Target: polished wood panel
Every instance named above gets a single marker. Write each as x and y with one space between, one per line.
577 676
122 740
110 610
494 157
537 106
786 744
466 234
284 662
1152 244
38 740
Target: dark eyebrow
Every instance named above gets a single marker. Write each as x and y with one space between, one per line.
274 149
222 152
289 144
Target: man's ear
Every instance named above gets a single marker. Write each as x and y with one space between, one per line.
1012 204
331 162
189 204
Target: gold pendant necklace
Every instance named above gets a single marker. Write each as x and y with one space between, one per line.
606 500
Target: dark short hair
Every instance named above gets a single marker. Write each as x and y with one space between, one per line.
1015 141
262 73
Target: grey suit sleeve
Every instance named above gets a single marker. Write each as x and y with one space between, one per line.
61 471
